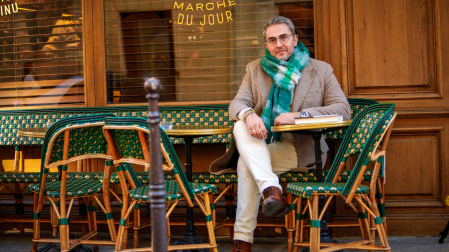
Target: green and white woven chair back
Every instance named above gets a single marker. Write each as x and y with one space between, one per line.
385 113
124 131
370 148
357 105
125 135
83 134
86 140
358 133
128 143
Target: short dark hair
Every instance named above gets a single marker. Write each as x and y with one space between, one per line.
279 20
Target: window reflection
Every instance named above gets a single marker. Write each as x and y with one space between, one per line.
42 54
197 54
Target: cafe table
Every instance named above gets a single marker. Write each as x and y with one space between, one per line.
38 132
316 130
188 133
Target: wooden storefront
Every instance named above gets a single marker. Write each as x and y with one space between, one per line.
396 51
387 50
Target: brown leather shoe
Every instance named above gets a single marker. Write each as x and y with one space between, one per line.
241 246
274 203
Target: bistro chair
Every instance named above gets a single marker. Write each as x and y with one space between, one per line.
128 140
366 140
228 176
66 141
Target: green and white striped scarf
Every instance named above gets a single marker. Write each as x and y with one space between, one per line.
285 76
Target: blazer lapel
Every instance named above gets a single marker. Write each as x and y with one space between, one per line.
301 89
265 83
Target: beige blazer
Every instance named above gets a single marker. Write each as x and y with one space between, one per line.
317 92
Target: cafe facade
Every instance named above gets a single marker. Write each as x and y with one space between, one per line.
96 53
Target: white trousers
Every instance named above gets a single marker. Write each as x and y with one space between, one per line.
256 170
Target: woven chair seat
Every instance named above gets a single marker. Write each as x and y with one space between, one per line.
305 189
34 177
198 177
84 175
75 188
172 191
206 177
25 177
142 176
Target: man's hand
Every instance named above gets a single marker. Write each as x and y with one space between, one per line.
256 127
285 119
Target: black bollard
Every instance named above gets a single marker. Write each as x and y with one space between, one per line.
157 190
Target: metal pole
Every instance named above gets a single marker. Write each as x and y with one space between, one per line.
157 191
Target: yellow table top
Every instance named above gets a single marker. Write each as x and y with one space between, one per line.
177 130
310 126
198 130
33 132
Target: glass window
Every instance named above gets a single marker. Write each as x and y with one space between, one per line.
198 49
41 46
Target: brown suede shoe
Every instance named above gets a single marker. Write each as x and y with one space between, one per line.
274 203
241 246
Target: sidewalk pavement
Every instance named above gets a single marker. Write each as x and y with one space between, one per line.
12 240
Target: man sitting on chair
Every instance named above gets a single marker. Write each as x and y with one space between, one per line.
284 84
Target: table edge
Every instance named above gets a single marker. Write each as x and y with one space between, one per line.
310 126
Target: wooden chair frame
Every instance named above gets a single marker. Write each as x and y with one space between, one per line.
371 150
140 126
64 128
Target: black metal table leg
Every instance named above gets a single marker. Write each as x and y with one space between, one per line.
325 237
190 237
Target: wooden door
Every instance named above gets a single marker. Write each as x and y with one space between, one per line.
397 51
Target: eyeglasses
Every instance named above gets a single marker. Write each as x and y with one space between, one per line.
284 38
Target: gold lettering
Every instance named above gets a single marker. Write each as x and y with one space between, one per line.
211 8
17 8
178 6
218 18
182 20
213 19
204 21
187 20
228 16
218 5
207 18
7 10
